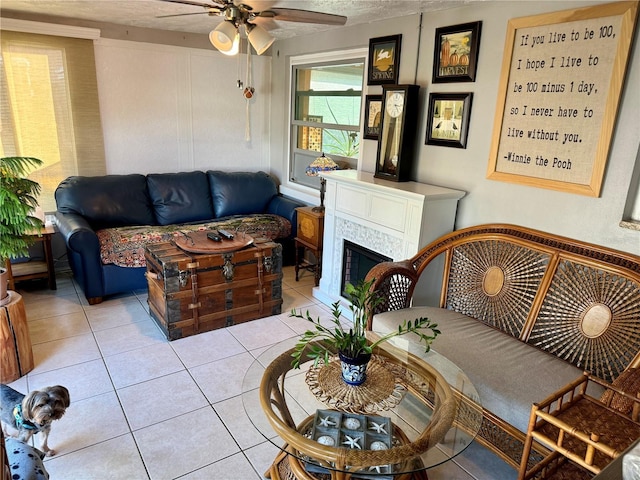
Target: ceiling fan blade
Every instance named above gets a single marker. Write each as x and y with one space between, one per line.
214 3
182 14
302 16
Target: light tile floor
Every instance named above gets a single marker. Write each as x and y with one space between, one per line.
145 408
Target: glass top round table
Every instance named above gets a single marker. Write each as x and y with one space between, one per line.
415 411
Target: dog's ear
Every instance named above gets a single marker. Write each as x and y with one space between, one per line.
59 393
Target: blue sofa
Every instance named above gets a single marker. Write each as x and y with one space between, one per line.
106 221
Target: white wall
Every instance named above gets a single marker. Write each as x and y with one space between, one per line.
170 109
590 219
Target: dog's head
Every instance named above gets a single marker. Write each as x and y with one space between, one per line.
41 407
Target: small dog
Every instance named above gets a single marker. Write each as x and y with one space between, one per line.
32 413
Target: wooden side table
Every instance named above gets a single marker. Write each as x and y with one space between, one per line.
16 355
577 427
310 232
34 269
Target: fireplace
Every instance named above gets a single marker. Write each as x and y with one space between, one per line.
356 263
389 219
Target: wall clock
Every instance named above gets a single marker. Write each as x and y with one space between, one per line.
397 135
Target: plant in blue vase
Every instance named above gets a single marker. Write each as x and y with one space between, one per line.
354 350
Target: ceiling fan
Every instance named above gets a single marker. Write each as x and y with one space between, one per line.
226 36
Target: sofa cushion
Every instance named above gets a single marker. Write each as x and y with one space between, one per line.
508 374
240 193
180 197
107 201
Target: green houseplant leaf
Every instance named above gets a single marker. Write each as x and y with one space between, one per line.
18 200
352 342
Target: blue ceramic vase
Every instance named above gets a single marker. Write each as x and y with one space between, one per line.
354 370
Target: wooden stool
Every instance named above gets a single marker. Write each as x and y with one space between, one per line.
16 356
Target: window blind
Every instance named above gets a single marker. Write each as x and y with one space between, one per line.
49 107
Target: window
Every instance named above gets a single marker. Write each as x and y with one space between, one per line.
631 214
49 108
325 116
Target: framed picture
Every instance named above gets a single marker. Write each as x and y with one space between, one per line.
384 60
448 121
456 53
372 116
553 126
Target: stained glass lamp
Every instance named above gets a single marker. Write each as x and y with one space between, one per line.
321 164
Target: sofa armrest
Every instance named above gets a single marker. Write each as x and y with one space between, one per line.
395 282
285 207
77 233
83 245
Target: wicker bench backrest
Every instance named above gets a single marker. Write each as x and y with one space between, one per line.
577 301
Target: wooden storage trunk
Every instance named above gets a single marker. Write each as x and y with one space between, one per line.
193 293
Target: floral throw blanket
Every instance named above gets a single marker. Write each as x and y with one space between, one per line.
124 246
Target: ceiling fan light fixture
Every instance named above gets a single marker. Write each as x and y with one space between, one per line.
235 48
226 38
259 38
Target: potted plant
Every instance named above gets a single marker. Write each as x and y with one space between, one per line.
352 346
17 204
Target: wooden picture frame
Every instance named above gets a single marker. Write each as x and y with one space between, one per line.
372 116
448 120
562 76
384 60
455 55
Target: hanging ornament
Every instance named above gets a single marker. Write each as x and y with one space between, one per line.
249 90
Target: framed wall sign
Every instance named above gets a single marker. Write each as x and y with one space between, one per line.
397 134
384 60
448 120
562 75
456 53
372 116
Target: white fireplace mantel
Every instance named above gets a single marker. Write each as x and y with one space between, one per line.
394 219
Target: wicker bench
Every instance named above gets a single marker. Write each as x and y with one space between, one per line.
523 313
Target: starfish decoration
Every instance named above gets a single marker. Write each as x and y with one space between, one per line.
378 427
327 422
352 442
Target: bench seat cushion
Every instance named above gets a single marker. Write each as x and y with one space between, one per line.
124 246
508 374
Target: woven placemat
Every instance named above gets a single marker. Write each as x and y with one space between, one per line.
382 390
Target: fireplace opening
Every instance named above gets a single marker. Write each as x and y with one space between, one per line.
356 263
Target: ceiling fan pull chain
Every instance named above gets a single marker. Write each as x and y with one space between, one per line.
238 68
248 94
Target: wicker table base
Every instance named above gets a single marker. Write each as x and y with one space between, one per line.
288 467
